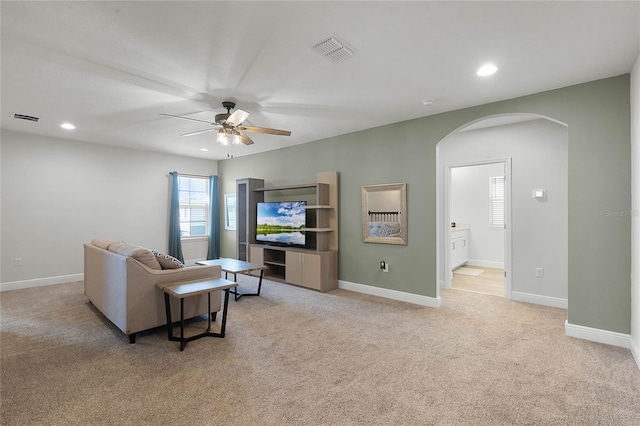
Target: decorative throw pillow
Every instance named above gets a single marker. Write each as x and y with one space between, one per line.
167 262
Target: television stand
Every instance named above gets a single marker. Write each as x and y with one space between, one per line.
312 269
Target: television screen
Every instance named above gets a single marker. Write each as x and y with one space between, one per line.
281 223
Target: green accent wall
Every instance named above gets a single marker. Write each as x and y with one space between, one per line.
598 118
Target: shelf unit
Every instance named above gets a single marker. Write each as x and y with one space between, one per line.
315 266
246 200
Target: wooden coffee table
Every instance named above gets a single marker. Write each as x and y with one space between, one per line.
235 267
194 288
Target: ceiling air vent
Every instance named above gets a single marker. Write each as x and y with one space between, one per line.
25 117
333 49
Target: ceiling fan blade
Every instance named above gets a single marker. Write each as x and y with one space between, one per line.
246 139
197 132
237 117
265 130
187 118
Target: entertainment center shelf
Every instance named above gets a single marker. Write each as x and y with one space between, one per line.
316 265
316 270
322 194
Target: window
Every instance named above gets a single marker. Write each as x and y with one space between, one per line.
230 212
193 193
496 201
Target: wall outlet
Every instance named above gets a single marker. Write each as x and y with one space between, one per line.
539 272
17 262
384 266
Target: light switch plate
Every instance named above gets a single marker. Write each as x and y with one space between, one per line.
538 193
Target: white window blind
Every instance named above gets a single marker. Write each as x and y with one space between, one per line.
496 201
193 193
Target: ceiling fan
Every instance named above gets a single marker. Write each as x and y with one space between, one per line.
229 126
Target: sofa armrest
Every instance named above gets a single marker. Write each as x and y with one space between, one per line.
105 282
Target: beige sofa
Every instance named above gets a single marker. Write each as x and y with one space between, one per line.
120 280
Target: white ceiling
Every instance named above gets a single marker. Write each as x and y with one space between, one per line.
111 68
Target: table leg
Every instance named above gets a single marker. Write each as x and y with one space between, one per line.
183 343
167 307
238 295
224 314
209 311
260 281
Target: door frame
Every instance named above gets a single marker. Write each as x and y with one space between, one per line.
506 161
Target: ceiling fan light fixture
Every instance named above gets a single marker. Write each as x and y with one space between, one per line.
223 137
236 139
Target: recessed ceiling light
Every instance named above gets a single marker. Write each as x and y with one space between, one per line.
204 149
67 126
486 70
428 102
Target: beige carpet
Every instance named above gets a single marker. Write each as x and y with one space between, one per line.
298 357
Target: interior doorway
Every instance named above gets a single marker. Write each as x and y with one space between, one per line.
478 235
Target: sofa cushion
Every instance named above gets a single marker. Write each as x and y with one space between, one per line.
140 254
102 243
166 261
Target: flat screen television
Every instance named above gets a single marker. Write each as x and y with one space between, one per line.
281 223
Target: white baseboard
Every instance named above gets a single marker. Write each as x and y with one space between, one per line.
597 335
554 302
39 282
635 351
485 263
432 302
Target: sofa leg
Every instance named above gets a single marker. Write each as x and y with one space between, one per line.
132 338
213 316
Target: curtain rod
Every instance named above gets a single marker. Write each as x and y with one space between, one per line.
189 175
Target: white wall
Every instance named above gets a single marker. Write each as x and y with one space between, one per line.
58 194
470 205
539 229
0 207
635 208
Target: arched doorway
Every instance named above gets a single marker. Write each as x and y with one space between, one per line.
534 150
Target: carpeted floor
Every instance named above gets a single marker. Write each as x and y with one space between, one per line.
298 357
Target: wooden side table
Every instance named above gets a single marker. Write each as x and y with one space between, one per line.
235 267
194 288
